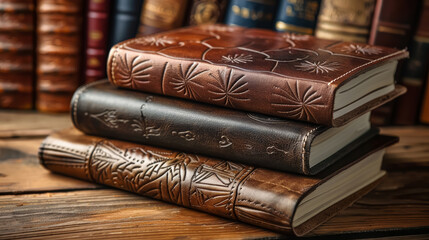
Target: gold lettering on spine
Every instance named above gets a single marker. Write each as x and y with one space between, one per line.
160 15
251 13
206 12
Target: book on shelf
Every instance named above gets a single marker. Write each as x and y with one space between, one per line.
16 54
124 20
279 74
283 202
414 74
424 109
297 16
59 52
97 33
345 20
206 11
161 15
392 26
100 109
251 14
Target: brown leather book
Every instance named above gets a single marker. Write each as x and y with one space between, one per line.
16 53
59 50
346 20
100 109
280 74
284 202
161 15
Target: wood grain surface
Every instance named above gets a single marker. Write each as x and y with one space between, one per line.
37 204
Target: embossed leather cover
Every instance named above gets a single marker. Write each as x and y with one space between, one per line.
101 109
279 74
257 196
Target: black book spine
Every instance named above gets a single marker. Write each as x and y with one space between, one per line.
125 18
252 14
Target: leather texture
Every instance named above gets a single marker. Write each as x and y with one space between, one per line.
253 195
16 53
59 51
278 74
100 109
97 34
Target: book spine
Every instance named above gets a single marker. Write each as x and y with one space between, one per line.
282 145
251 14
16 54
297 16
96 40
59 50
424 110
161 15
124 20
345 20
206 11
392 26
407 108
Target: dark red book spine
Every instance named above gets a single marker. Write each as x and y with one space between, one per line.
393 25
97 33
415 72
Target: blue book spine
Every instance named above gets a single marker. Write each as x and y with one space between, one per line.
125 19
251 13
297 16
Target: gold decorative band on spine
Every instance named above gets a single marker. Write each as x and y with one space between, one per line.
343 28
320 33
282 26
421 39
392 30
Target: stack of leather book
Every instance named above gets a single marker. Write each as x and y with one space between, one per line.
267 128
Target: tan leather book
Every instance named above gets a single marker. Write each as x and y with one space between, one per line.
346 20
283 202
59 50
280 74
16 54
161 15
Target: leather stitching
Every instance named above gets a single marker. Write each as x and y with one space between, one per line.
368 63
303 152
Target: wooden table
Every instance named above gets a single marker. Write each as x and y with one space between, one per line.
35 203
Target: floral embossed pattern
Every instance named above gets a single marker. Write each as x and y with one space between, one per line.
296 101
133 71
229 89
185 80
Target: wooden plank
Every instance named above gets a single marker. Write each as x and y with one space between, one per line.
101 214
31 123
20 170
412 151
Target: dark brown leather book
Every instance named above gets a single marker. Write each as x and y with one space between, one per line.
16 54
97 34
280 74
101 109
59 50
392 26
284 202
424 109
161 15
345 20
206 11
